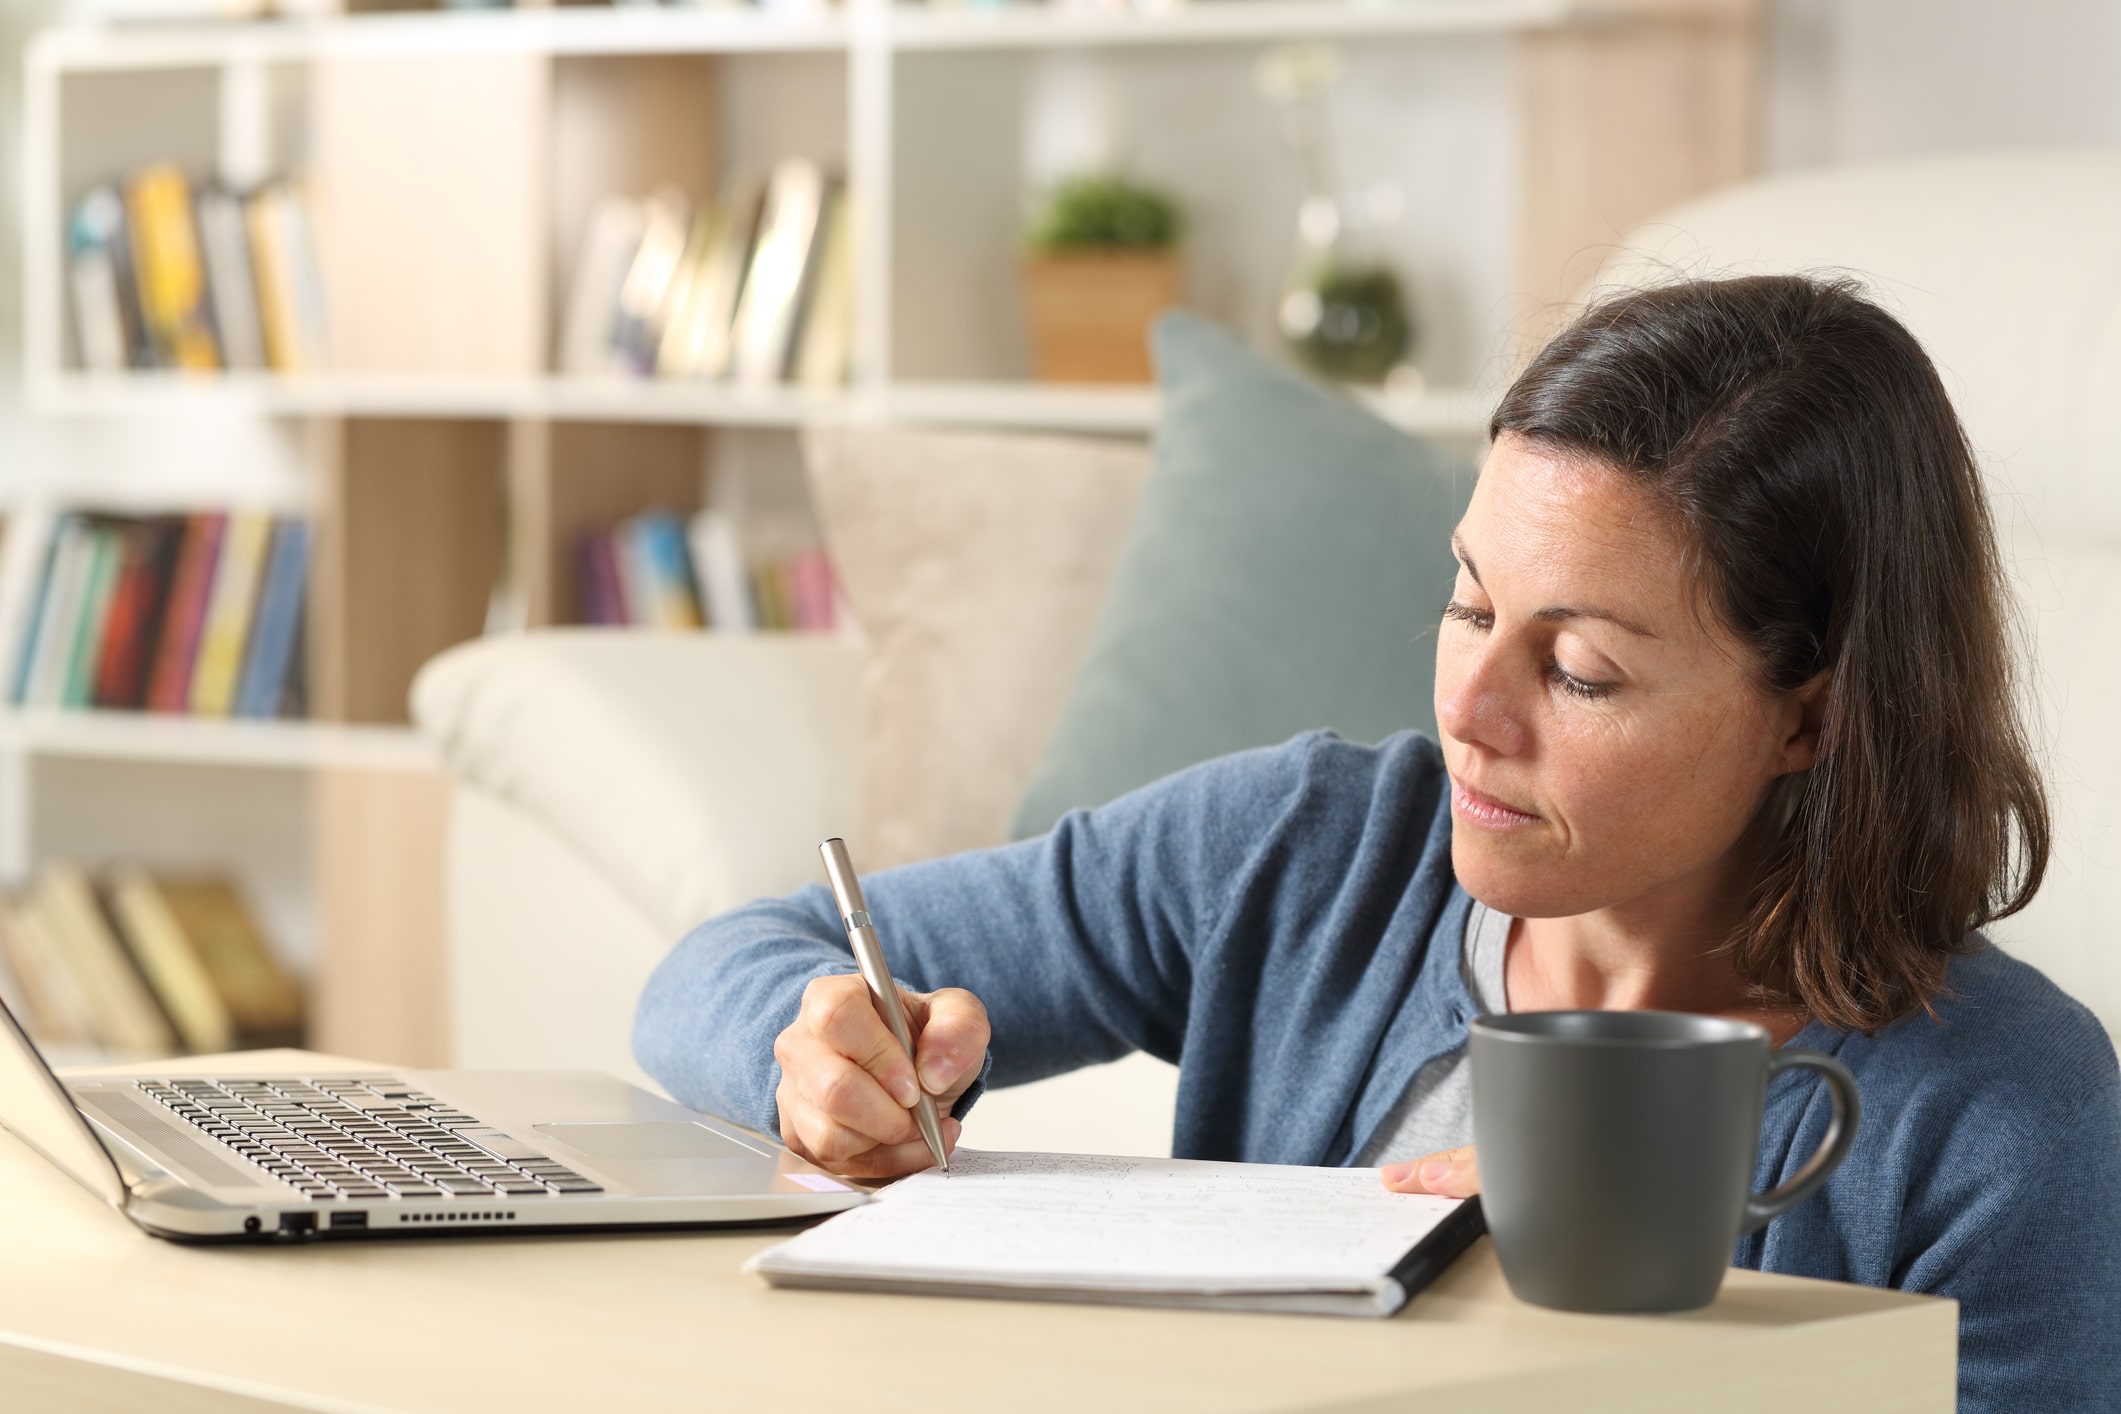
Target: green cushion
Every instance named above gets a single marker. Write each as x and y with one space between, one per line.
1285 571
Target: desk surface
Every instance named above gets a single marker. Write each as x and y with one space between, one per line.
95 1314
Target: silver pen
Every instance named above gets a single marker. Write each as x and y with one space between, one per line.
869 956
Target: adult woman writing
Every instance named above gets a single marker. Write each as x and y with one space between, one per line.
1726 727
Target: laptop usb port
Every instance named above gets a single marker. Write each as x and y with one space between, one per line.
349 1220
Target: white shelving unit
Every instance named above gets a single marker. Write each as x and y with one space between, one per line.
870 40
442 447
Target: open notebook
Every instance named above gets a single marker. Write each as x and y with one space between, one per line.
1161 1232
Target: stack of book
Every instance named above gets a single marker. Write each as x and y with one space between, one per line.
164 277
656 571
756 289
142 963
199 613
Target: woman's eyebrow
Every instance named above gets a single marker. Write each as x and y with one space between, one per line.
1560 612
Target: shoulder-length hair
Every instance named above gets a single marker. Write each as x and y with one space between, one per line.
1806 441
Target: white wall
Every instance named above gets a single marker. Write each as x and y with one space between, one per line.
1860 80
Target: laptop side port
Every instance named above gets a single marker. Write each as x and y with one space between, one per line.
348 1220
298 1224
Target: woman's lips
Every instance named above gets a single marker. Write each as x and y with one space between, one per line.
1486 811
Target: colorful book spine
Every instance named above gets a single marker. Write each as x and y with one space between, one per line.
44 683
169 268
132 607
272 644
660 542
718 569
228 614
30 551
186 615
811 587
98 586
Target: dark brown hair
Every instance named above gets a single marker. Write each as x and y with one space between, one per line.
1806 441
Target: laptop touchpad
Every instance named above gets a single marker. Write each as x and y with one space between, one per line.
672 1158
659 1139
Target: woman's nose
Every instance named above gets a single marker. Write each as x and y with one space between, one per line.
1474 700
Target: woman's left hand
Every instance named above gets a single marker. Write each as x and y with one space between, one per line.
1455 1173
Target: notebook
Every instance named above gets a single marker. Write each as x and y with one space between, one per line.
1155 1232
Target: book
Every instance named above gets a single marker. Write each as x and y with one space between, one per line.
230 279
178 976
124 1013
644 295
592 305
811 589
59 609
261 689
134 622
168 269
229 610
99 273
54 1009
284 271
718 571
696 343
824 353
263 1000
657 542
639 595
101 577
765 323
1153 1232
169 690
25 579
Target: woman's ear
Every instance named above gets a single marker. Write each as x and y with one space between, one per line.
1804 721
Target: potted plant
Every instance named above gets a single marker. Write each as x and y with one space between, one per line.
1103 263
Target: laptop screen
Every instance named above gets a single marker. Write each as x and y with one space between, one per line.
37 1110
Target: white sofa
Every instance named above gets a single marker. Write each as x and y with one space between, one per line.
613 789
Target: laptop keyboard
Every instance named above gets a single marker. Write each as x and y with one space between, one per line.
368 1138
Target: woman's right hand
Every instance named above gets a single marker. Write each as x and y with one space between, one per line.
847 1091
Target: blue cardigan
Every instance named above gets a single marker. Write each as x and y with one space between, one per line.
1284 925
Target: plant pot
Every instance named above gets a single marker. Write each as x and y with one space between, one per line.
1090 313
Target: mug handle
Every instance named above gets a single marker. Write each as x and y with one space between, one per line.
1763 1208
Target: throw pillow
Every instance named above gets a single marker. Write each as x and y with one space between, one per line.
975 565
1284 572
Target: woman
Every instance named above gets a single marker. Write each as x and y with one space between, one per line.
1726 726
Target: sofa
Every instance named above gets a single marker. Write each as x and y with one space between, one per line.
614 789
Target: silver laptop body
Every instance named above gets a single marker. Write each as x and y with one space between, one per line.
366 1153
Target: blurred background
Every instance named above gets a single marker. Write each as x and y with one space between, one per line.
334 340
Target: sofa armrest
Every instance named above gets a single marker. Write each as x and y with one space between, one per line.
695 771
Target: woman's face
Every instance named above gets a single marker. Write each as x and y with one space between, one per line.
1607 738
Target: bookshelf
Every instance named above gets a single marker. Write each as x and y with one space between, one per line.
459 157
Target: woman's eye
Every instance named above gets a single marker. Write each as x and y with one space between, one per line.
1575 686
1467 614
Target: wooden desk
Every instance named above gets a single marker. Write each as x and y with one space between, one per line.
95 1316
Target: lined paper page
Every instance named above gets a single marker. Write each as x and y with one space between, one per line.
1077 1222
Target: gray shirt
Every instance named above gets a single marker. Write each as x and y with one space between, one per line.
1436 1112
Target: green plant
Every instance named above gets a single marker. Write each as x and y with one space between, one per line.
1102 212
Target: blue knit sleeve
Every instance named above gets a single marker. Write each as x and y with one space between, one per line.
2039 1283
1079 942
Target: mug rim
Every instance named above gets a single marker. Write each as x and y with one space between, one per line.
1499 1027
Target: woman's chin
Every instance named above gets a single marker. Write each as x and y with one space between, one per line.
1512 875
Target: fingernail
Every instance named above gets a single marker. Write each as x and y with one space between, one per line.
1396 1173
951 1130
1435 1171
936 1071
904 1091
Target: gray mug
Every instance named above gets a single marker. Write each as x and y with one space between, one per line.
1617 1147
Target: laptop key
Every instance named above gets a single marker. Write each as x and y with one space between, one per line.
520 1187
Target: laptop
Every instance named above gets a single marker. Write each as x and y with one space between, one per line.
355 1153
